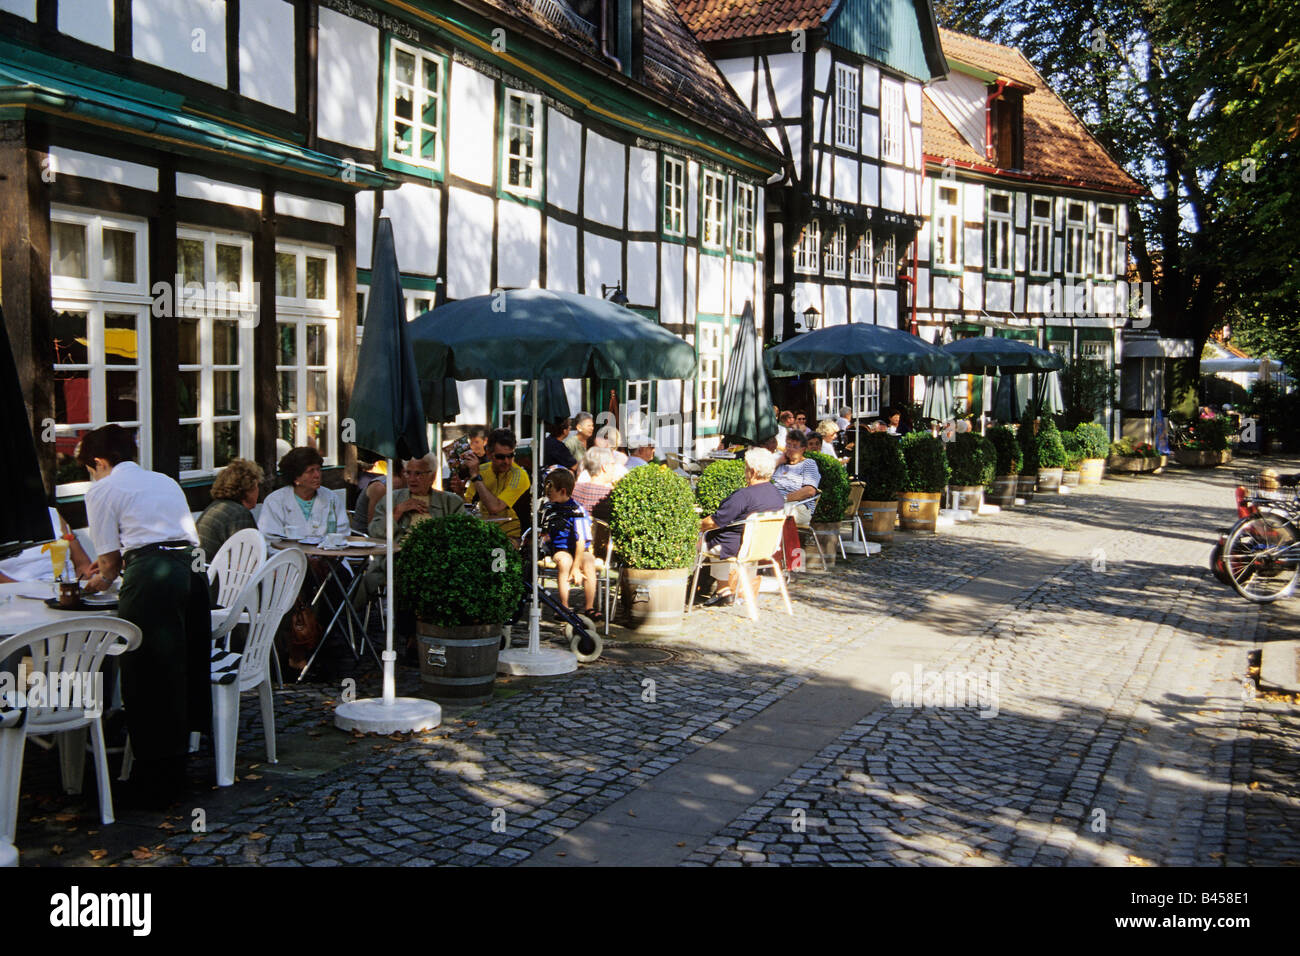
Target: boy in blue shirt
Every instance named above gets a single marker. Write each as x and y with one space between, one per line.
564 535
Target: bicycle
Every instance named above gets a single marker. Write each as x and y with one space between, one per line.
1261 554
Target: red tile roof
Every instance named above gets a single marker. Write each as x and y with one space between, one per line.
730 19
1058 146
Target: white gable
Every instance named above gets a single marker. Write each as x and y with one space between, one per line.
962 100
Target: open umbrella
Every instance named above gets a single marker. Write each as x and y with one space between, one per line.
746 410
536 334
859 348
990 354
388 419
24 520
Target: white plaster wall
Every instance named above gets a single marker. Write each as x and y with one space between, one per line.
313 210
837 305
787 82
887 308
806 294
713 288
266 52
190 186
603 262
1018 305
412 208
365 228
972 291
795 135
1022 253
692 278
642 273
922 287
871 86
88 20
826 136
846 179
563 152
347 71
998 297
891 188
974 208
519 244
1104 298
472 123
469 243
742 287
643 190
672 298
71 162
606 169
185 36
668 401
561 256
692 199
870 133
23 8
1036 297
973 246
863 302
822 69
740 74
870 186
947 292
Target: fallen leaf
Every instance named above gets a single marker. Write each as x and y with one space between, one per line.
142 853
471 723
257 836
166 826
1137 860
561 853
252 776
39 819
631 813
56 850
98 854
65 817
1254 785
681 844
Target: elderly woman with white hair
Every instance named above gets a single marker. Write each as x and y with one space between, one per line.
607 439
722 533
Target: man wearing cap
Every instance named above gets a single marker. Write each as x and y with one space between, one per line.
642 451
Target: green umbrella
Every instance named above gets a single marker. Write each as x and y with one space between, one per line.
937 403
1011 398
858 348
555 400
987 355
1048 392
746 411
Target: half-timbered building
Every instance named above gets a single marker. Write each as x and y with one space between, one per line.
836 85
191 189
1026 216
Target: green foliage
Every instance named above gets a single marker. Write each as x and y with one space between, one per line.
1125 448
883 468
1074 451
653 521
927 465
1210 434
1051 453
1028 446
458 570
1092 438
971 459
719 479
833 489
1087 386
1006 449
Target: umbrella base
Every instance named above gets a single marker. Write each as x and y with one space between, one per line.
8 855
545 662
861 547
403 716
956 514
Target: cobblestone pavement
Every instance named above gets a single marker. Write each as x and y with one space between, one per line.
1126 731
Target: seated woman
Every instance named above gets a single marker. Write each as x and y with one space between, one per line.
234 494
598 466
721 535
608 438
302 507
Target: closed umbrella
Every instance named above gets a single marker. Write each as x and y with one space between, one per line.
937 403
388 419
746 411
1011 397
25 519
1048 393
554 400
536 334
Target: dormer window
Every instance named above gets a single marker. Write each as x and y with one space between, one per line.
1006 145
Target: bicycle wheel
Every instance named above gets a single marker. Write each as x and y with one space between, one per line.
1262 557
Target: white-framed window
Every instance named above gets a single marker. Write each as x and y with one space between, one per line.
1096 351
1000 232
710 377
809 251
713 211
307 315
848 105
1076 259
674 196
891 121
860 260
636 408
418 302
523 137
100 301
416 84
510 405
1060 348
947 227
835 252
216 314
1040 236
830 397
860 392
1104 243
887 264
865 396
745 213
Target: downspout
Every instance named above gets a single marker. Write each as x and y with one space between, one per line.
604 37
988 118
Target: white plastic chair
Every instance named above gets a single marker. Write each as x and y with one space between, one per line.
760 541
67 648
235 563
266 599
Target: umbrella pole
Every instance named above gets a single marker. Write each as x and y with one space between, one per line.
390 656
535 610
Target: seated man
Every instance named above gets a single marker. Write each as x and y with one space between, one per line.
500 482
641 451
798 477
757 494
32 564
554 449
564 530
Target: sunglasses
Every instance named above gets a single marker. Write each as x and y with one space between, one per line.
505 457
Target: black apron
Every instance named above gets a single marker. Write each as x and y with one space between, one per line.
166 687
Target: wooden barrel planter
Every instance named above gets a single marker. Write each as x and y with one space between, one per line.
969 497
879 519
820 557
1003 491
459 663
918 511
1202 459
1025 485
1136 464
1070 479
1049 480
653 602
1091 470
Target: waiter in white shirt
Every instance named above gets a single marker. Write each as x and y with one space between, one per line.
141 526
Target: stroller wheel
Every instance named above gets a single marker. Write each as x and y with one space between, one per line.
586 648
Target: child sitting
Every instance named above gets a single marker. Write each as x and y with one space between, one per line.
564 537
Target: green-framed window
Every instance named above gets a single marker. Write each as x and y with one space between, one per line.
746 212
521 144
710 350
415 109
999 227
713 210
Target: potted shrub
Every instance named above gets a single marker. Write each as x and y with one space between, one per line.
1027 481
1073 458
1132 458
655 528
1006 465
717 481
1051 456
971 459
1208 445
463 580
832 503
927 476
884 473
1092 439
